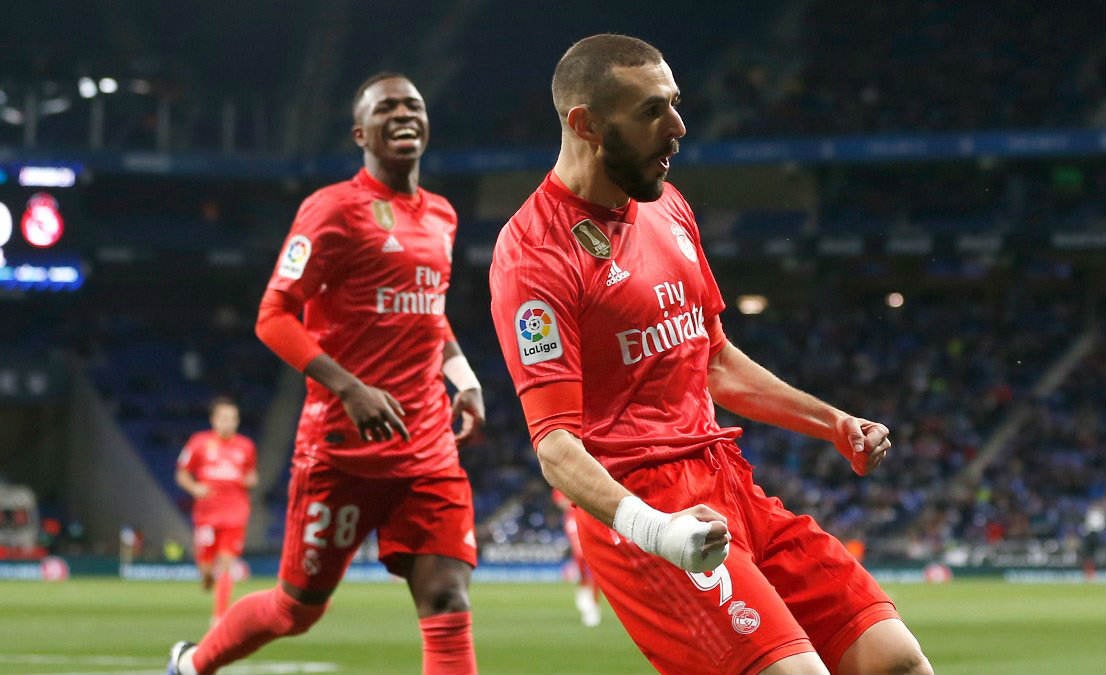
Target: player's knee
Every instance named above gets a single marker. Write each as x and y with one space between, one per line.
444 599
296 617
304 617
908 662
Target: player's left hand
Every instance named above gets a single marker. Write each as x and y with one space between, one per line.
864 443
469 406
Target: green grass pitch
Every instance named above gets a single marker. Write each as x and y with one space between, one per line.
94 626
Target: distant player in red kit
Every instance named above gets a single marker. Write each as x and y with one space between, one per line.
608 316
587 590
367 262
218 468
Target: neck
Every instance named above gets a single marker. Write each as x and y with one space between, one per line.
400 176
580 168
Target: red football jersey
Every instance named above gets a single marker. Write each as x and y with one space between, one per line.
618 301
221 464
372 267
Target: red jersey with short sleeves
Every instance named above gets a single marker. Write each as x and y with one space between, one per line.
372 266
221 464
618 301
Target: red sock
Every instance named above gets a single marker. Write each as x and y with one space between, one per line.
447 644
252 622
224 586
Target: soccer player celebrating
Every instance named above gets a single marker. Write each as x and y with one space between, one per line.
218 468
367 261
608 316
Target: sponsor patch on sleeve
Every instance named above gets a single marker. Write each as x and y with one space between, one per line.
294 259
536 330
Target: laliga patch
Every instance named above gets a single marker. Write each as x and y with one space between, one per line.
294 259
592 239
536 330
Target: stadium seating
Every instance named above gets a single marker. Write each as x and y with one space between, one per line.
979 331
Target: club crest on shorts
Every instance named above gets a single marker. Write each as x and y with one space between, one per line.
311 563
383 214
294 259
744 619
592 239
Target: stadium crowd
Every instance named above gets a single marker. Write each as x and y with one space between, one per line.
944 374
780 69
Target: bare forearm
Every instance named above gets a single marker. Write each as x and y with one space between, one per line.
569 468
329 373
186 481
450 348
744 387
694 539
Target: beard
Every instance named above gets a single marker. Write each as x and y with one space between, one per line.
626 167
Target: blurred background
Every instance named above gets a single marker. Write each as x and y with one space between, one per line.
904 202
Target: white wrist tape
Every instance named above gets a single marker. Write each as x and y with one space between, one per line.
460 373
677 540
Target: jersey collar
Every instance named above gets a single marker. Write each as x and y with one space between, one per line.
415 202
555 186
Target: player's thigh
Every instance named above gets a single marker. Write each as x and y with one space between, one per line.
431 516
726 621
230 541
203 545
887 646
827 590
329 515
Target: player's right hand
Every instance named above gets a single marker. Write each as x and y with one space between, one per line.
200 490
695 539
375 413
700 535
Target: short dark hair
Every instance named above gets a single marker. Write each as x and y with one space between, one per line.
373 79
221 399
583 75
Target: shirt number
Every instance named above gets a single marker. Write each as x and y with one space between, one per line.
719 578
345 520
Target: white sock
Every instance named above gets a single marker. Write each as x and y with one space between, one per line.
589 609
184 663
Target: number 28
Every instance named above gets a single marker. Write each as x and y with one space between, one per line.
345 520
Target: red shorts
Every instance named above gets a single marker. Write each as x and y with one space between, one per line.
330 513
786 587
211 540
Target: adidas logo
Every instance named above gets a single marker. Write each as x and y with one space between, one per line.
616 274
391 245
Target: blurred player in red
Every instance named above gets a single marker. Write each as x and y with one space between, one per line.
218 468
587 591
367 262
608 316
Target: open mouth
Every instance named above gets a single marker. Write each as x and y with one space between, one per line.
404 134
405 139
664 160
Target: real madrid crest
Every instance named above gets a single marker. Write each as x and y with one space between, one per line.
744 619
383 215
683 242
592 239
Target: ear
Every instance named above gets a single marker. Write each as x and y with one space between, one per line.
584 124
358 134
